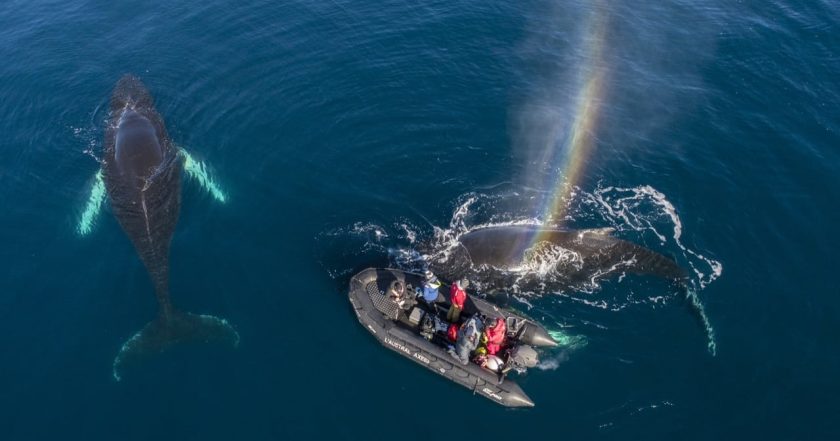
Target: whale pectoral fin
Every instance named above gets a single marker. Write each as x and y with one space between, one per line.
164 332
93 206
200 172
700 313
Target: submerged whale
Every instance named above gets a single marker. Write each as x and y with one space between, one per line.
530 255
536 258
141 172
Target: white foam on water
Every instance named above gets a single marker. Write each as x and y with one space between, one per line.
638 209
600 304
642 209
374 236
657 300
593 281
378 232
545 258
653 406
407 259
373 230
523 300
410 234
90 136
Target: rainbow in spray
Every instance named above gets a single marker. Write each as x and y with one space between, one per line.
571 148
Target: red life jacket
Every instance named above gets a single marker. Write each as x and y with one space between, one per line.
452 333
495 337
457 296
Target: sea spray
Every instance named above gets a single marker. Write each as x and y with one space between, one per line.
199 171
93 206
641 209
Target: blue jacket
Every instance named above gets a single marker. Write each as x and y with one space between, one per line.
430 294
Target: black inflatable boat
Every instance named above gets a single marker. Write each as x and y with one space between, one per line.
417 331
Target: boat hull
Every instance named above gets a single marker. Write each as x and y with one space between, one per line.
383 324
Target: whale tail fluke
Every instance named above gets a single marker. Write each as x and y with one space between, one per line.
167 331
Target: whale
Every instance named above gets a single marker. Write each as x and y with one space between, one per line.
141 174
535 258
531 255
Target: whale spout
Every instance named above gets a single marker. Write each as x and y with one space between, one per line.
170 330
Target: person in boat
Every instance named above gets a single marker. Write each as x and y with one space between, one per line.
430 289
492 340
493 336
468 340
457 296
396 292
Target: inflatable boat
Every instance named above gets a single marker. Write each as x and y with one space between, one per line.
418 330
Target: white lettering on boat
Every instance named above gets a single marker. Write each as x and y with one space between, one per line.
490 393
397 345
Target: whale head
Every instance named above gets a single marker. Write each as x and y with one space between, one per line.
138 148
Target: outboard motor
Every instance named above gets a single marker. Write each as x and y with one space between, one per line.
523 357
528 332
515 326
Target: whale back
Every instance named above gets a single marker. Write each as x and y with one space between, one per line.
138 150
510 247
142 175
500 247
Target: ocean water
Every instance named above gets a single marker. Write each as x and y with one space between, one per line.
344 134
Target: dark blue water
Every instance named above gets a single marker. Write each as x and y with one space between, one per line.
345 133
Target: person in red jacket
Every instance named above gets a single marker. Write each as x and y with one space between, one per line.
494 335
457 296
